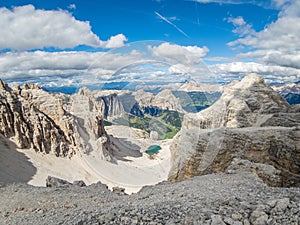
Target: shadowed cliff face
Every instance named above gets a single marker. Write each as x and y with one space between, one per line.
14 166
250 122
52 123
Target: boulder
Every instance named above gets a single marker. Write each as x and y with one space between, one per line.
56 182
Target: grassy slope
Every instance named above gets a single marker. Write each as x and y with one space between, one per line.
166 124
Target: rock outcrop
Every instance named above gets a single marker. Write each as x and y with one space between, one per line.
163 100
249 122
23 118
243 104
197 152
112 105
194 86
57 182
52 123
166 100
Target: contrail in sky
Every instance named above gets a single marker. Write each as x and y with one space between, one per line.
172 24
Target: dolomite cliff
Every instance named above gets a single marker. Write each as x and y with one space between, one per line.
242 104
251 126
52 123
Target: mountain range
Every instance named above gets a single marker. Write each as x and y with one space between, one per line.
247 131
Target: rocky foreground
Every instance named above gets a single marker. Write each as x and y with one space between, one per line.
216 199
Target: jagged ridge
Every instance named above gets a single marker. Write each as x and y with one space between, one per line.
52 124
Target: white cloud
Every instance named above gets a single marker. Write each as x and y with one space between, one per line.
280 3
241 27
227 1
173 53
238 21
72 6
116 41
25 28
181 69
155 62
33 65
279 42
274 4
272 73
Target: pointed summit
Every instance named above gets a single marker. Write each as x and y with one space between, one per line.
4 86
252 80
239 106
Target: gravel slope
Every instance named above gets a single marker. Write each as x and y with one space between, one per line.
216 199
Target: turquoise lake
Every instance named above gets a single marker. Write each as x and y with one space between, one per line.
153 149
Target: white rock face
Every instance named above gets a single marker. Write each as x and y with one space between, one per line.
163 100
166 100
242 104
52 123
193 86
249 122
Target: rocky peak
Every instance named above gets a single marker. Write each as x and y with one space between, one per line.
30 86
52 123
143 98
190 86
167 100
249 122
4 86
251 81
239 106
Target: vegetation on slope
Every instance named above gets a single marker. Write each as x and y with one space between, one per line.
166 123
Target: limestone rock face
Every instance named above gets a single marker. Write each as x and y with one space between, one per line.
198 152
90 133
242 104
194 86
113 105
163 100
52 123
249 122
25 120
166 100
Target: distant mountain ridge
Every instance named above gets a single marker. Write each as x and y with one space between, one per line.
291 92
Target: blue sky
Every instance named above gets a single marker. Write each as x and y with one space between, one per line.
232 37
204 24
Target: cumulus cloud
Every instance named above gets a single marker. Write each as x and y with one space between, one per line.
179 54
241 27
144 63
238 21
272 73
26 28
279 42
30 66
116 41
